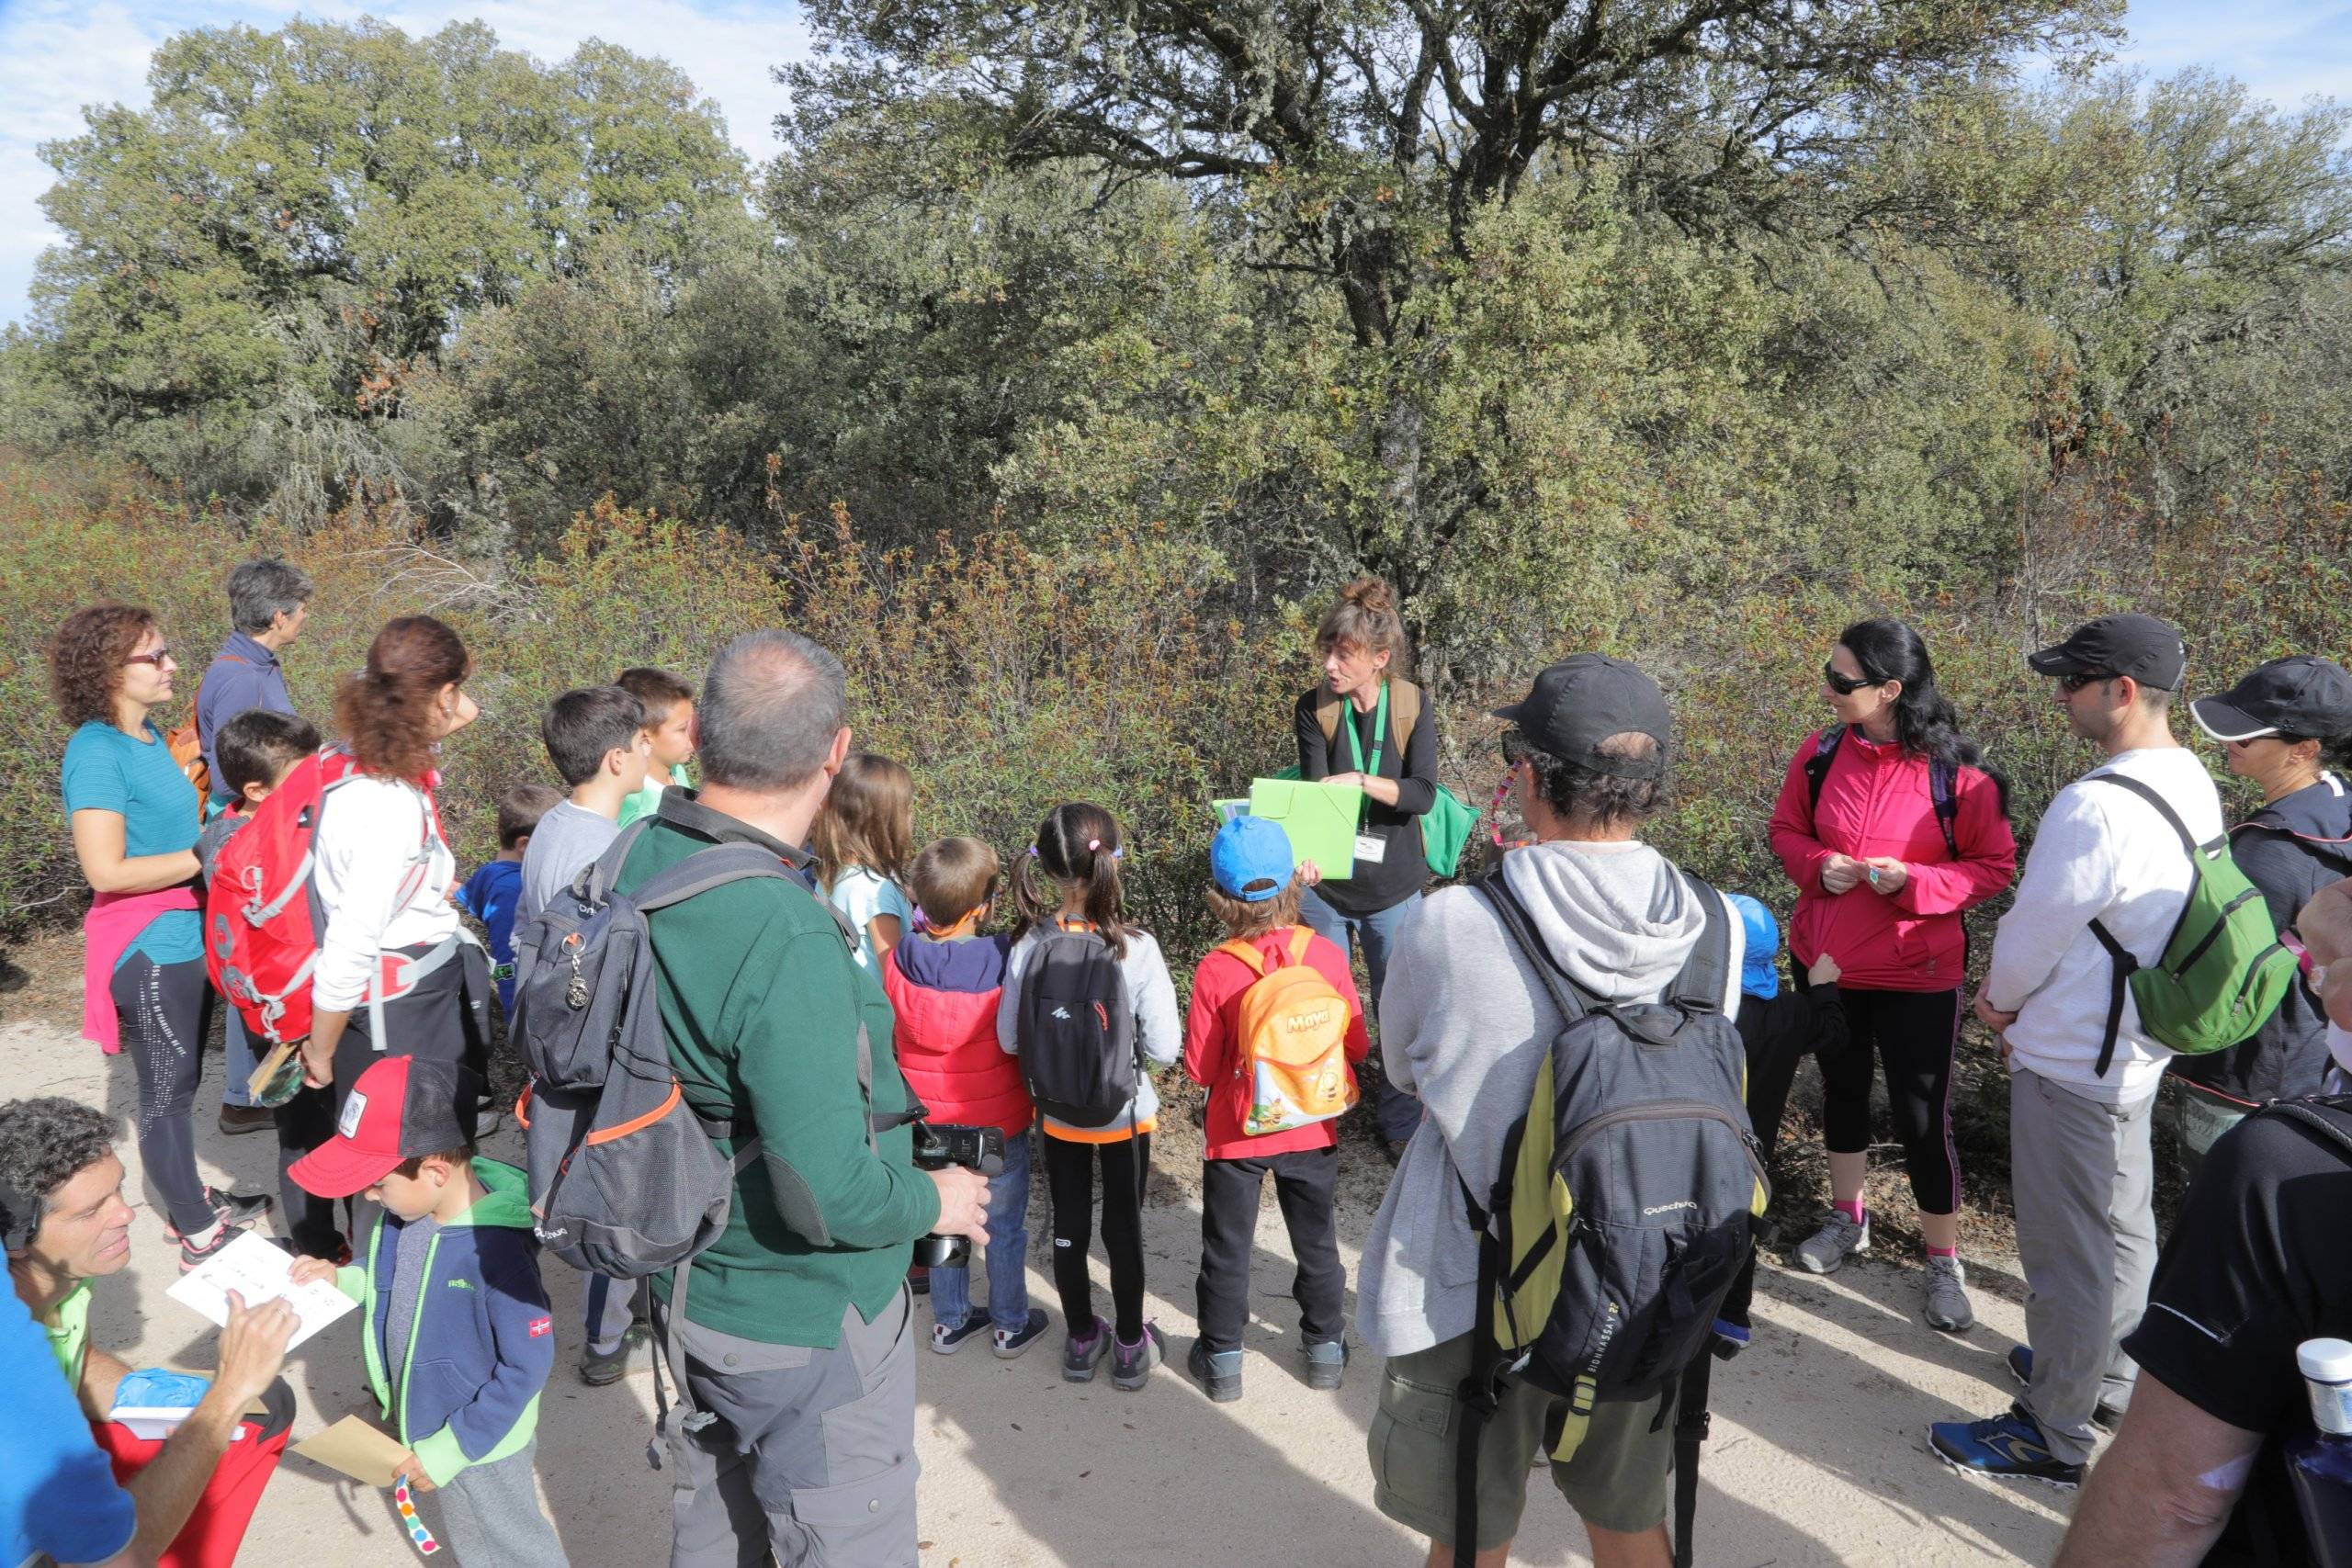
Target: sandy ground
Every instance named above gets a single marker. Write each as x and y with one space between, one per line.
1818 1456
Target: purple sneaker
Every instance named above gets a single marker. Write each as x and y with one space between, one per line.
1131 1364
1081 1356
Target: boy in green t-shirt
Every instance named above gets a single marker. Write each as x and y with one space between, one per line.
668 725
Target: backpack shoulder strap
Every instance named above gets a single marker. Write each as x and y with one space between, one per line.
704 870
1943 790
1816 767
2309 1115
1706 974
595 883
1404 713
1246 951
1301 937
2164 807
1512 914
1326 714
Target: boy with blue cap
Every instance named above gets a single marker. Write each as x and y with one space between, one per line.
1274 1033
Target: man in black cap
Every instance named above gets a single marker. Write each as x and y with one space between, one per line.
1465 1022
2082 1073
2282 728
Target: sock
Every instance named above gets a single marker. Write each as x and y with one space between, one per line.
1943 1252
203 1238
1852 1211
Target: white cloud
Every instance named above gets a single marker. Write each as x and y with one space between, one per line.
57 55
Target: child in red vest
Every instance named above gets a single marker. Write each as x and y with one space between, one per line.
1274 1031
945 981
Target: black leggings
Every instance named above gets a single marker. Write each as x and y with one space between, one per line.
1913 1033
1069 1180
162 1011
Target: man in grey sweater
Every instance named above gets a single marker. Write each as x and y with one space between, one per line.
1464 1023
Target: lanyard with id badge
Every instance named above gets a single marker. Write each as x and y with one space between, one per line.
1372 844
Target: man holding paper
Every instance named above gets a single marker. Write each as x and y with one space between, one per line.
67 1224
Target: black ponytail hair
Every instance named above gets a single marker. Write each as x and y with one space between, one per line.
1925 722
1076 842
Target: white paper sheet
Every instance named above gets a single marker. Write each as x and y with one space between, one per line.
259 1272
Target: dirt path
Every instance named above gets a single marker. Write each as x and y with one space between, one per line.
1818 1454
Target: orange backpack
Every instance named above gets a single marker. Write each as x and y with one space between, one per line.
1292 1041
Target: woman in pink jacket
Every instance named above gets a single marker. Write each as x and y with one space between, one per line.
1891 827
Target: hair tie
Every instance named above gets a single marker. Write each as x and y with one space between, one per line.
1092 845
1032 852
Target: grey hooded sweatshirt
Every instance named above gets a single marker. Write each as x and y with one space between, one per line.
1465 1022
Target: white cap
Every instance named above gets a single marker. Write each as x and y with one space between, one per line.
2325 1360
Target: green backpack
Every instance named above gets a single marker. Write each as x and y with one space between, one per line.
1447 825
2224 969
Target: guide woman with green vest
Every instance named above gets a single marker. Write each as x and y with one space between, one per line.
1359 725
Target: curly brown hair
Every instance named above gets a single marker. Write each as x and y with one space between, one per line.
386 711
86 657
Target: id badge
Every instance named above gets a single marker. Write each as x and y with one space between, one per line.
1372 848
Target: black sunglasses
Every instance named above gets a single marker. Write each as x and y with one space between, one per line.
2070 684
1846 686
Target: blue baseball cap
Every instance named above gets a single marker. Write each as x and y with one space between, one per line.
1247 849
1759 970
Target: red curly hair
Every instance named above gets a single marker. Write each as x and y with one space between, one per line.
386 711
86 657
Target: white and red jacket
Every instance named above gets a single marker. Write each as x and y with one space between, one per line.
1877 800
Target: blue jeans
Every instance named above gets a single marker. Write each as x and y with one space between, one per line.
1008 1250
1395 1112
241 1061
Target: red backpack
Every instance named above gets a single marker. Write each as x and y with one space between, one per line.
263 918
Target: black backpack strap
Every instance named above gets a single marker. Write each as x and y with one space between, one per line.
1566 995
594 885
1706 974
1816 767
1943 790
1691 1425
1480 1393
2309 1117
702 871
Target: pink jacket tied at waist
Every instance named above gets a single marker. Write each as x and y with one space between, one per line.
113 923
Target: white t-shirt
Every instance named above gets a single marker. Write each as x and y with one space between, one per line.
383 874
860 895
2100 853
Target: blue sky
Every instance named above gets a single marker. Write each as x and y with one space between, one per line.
56 55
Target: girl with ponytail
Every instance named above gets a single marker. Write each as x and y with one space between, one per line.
1068 881
1892 826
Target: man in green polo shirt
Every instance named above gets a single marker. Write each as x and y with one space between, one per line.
196 1489
796 1336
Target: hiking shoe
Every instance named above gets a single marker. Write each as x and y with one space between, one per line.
1947 1296
1081 1356
603 1370
1010 1342
948 1338
1837 1239
236 1118
1217 1371
195 1256
1327 1360
234 1209
2010 1445
1131 1364
2105 1416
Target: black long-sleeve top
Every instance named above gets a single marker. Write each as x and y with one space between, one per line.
1402 871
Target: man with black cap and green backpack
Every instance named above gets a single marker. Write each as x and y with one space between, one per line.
2097 978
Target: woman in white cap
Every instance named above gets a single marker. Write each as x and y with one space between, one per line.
2287 727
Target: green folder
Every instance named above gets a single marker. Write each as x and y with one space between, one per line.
1320 818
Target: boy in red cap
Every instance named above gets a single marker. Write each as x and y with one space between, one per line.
456 1334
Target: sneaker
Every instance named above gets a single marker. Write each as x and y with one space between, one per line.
1217 1371
235 1210
1327 1362
947 1338
1837 1239
1010 1342
602 1370
1131 1364
193 1255
2007 1446
1081 1356
1947 1296
236 1118
2105 1416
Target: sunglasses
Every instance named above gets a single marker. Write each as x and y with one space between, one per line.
1846 686
2070 684
155 659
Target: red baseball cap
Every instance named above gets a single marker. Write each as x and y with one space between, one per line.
400 1108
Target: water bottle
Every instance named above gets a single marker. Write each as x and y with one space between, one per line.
2321 1462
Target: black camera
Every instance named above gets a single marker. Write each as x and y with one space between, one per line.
939 1145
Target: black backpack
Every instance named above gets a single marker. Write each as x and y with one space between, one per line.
1943 783
1626 1201
1076 1028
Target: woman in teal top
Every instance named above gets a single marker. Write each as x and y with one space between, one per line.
135 819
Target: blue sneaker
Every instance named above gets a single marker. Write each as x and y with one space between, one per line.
1011 1342
947 1338
2007 1446
2105 1416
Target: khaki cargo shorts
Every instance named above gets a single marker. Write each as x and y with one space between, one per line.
1618 1478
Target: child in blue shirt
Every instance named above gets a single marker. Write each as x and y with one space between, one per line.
491 892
